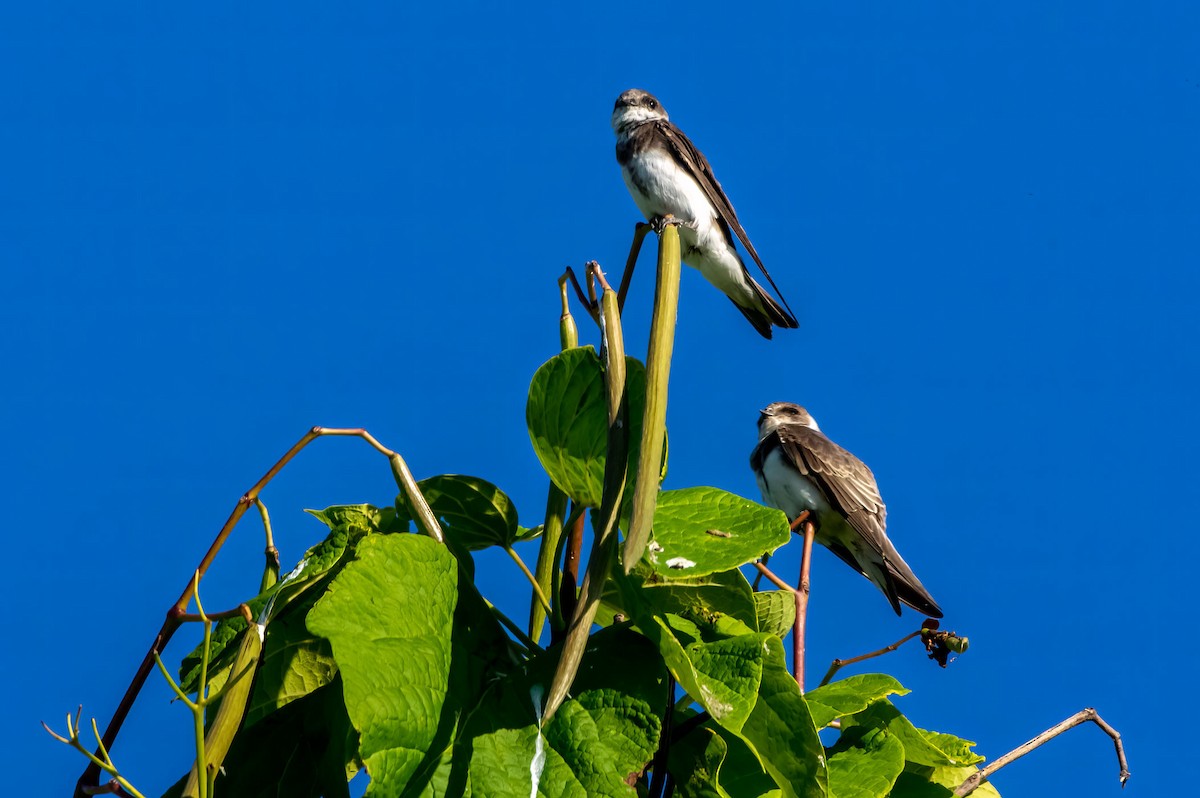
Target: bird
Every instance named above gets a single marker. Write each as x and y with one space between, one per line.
798 469
667 175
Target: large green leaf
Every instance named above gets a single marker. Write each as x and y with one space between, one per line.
775 611
850 695
701 599
918 781
389 616
568 421
782 731
920 747
723 675
695 763
699 531
474 513
594 744
743 775
294 664
867 770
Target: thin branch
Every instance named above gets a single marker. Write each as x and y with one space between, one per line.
838 664
770 575
801 596
508 624
1082 716
88 780
635 248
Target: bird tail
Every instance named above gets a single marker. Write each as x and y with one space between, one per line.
903 585
767 312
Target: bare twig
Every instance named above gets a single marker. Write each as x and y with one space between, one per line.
635 248
1082 716
177 613
838 664
770 575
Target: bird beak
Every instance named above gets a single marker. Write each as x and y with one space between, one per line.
766 411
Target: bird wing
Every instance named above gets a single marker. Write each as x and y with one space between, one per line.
844 479
696 165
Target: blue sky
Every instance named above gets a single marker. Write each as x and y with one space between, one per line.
222 226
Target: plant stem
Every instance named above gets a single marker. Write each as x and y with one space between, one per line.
604 541
88 780
537 589
838 664
801 596
271 571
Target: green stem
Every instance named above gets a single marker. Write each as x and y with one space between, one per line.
271 571
658 371
508 624
546 568
424 514
604 540
547 563
537 589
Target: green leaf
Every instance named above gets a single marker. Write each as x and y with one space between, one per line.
699 531
346 525
701 599
568 421
775 611
723 676
302 751
474 513
742 775
920 748
866 772
847 696
593 744
956 748
782 731
389 615
295 663
938 782
695 763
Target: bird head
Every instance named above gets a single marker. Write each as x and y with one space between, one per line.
777 414
635 107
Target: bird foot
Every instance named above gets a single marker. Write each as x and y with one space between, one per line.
659 223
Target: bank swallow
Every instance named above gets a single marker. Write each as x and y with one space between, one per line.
799 469
666 174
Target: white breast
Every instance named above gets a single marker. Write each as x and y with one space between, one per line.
669 189
785 488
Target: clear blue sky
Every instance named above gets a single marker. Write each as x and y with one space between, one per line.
219 227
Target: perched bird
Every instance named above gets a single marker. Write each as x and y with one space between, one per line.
799 469
666 174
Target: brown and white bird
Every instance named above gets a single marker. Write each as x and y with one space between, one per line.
666 174
799 469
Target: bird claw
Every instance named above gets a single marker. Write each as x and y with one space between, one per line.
659 223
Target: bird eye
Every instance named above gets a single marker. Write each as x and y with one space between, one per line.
651 102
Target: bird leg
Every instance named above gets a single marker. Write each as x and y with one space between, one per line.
659 223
